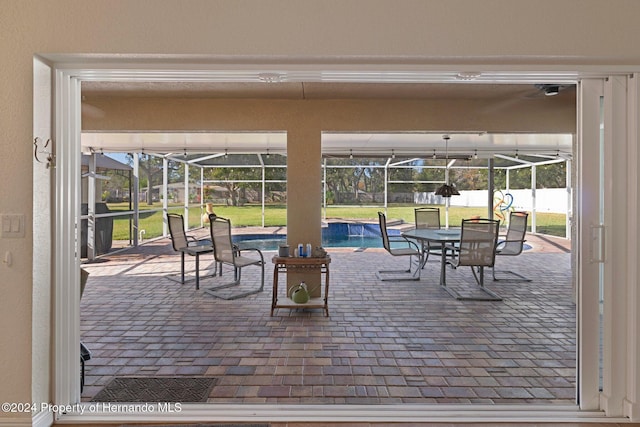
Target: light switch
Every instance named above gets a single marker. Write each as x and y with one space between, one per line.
12 226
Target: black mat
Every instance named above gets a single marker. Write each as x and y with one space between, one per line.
198 425
156 389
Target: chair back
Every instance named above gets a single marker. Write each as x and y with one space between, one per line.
478 242
514 242
223 250
176 230
382 220
427 218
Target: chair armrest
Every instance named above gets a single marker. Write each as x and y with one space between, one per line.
499 242
402 239
239 251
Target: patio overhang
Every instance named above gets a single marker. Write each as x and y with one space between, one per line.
517 148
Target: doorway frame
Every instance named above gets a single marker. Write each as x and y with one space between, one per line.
68 77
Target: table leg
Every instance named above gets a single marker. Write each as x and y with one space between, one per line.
197 270
182 267
443 266
326 291
274 297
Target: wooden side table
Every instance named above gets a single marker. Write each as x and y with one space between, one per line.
284 264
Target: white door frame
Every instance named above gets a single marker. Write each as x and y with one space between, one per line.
67 263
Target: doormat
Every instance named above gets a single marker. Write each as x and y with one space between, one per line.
198 425
156 389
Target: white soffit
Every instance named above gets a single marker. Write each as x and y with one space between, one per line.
193 142
415 143
333 143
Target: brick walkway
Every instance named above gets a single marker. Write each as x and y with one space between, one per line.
384 342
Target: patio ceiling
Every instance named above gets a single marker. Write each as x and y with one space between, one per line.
336 144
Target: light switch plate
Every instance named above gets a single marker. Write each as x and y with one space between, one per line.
11 226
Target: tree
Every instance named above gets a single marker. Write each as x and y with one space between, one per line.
231 175
151 172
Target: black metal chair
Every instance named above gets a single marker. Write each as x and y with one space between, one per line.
225 252
477 250
186 244
513 244
410 251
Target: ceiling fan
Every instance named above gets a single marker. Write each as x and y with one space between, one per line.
538 91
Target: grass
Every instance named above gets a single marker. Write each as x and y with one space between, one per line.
276 215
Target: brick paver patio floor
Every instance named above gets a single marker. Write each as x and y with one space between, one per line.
384 342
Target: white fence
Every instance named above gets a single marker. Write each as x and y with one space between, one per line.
553 200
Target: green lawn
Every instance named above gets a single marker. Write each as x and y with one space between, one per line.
276 215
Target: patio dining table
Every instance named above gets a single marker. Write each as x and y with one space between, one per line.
441 236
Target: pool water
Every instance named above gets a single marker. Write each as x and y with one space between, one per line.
271 243
335 235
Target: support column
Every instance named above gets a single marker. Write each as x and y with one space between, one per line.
569 214
491 184
91 209
136 199
186 195
165 196
534 184
304 198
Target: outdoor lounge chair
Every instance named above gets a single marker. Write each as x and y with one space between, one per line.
186 244
428 217
513 244
477 250
225 252
410 251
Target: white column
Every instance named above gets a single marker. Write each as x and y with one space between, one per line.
186 195
91 208
324 188
588 272
201 195
533 198
386 186
263 189
136 198
569 214
67 244
616 247
165 195
632 400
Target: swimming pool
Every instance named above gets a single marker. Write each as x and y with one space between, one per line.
334 235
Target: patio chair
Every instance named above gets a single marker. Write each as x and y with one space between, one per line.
225 252
513 244
186 244
477 250
410 251
428 217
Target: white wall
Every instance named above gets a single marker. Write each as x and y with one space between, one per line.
553 200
